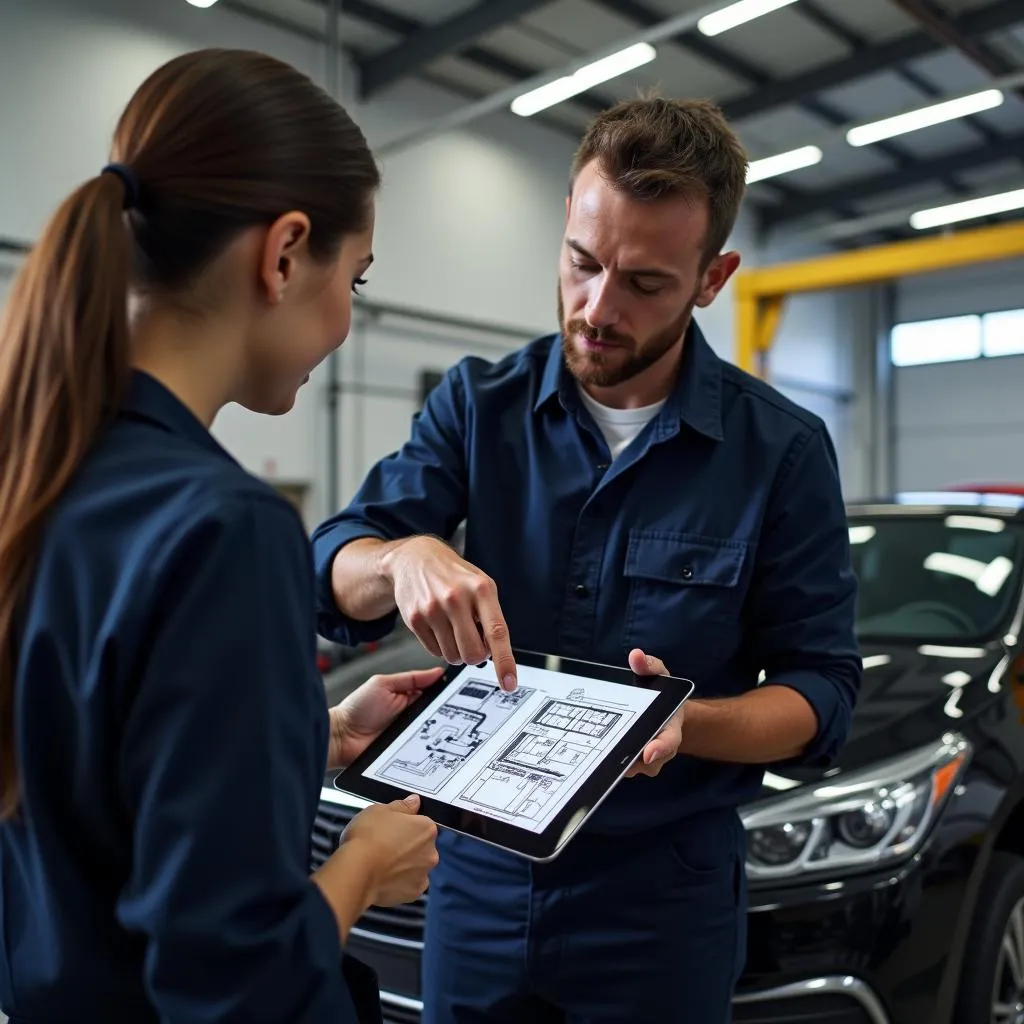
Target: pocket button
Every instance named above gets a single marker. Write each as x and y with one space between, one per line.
687 572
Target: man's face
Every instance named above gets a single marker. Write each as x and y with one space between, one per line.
630 275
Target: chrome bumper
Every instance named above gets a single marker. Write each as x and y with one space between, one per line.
845 985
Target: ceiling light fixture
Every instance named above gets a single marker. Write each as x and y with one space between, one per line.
201 3
738 14
783 163
924 117
585 78
971 209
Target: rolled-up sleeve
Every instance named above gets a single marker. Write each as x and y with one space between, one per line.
220 770
804 594
420 489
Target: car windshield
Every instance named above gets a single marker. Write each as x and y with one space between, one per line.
935 578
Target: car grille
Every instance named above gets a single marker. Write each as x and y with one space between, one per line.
827 1008
404 922
395 1015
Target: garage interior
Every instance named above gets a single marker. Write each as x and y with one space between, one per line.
882 237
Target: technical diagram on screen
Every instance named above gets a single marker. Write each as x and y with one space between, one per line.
530 760
441 745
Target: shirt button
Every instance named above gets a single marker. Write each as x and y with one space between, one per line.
580 590
602 466
687 573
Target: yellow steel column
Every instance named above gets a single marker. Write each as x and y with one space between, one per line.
768 319
746 329
757 320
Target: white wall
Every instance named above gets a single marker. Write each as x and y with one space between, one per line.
981 288
468 224
963 421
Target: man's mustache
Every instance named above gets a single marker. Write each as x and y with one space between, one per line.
600 334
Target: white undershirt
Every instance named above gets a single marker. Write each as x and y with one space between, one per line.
620 426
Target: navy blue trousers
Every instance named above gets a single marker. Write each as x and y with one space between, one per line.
644 929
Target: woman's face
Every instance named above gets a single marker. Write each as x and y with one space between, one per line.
310 316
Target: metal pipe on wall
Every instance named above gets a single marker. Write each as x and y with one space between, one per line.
359 392
332 476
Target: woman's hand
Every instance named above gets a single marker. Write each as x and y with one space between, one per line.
400 844
364 714
384 858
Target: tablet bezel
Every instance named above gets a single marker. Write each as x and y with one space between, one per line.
672 692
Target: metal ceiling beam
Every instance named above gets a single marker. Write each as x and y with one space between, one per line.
979 53
967 159
714 53
973 24
391 20
939 26
810 10
449 36
503 97
482 57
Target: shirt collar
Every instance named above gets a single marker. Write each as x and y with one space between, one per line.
696 398
147 399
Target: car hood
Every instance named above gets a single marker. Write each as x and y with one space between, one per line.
910 696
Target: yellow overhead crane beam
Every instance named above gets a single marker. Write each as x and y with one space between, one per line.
761 293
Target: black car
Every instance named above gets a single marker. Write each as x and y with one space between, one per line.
888 889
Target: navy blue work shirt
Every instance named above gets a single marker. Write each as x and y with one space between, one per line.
716 541
172 736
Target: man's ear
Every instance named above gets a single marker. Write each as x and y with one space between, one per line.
716 276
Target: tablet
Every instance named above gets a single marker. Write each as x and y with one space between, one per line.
523 770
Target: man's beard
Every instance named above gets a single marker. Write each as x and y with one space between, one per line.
608 369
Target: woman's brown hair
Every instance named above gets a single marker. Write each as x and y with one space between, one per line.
213 143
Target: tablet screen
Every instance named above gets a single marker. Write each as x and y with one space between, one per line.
521 770
516 756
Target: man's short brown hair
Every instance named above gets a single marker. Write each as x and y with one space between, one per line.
652 147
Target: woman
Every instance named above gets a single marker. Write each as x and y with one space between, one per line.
163 731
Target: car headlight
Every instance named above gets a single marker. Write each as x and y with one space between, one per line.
860 820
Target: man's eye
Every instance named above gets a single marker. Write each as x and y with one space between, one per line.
649 290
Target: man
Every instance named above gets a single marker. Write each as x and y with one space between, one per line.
624 491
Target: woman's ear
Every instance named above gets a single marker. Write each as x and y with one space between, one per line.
285 241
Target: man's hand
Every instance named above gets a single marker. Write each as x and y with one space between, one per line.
450 605
665 745
364 714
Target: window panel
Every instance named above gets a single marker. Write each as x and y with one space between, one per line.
936 341
1003 333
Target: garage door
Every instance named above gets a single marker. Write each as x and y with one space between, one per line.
959 400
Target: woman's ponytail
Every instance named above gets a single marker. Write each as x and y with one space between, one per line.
63 365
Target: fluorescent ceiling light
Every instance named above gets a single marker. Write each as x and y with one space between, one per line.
986 206
738 14
201 3
924 117
783 163
861 534
876 661
983 523
585 78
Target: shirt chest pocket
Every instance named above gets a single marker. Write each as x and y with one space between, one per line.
680 583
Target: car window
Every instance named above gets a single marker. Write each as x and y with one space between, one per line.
938 578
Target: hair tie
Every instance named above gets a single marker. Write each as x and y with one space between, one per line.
130 182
